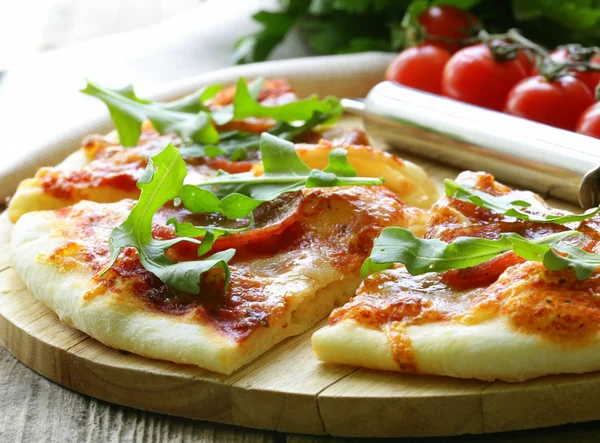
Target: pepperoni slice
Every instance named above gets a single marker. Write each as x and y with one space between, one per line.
483 274
487 273
270 220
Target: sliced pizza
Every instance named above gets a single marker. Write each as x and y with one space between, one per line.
211 274
214 132
501 287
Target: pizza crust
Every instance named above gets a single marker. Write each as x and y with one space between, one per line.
526 321
132 328
488 351
274 295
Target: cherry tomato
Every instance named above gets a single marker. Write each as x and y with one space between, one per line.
522 56
527 63
590 78
558 103
473 76
589 122
447 22
419 67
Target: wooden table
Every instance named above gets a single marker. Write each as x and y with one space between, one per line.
35 409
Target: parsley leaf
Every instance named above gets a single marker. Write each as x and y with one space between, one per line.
399 245
160 183
257 47
129 111
237 195
510 209
338 26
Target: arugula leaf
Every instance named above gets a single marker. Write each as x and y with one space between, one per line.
399 245
160 183
193 121
582 262
209 234
128 111
237 144
246 105
510 209
225 114
193 102
237 195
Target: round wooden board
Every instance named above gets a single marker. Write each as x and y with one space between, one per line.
287 389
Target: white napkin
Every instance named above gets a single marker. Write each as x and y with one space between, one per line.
39 99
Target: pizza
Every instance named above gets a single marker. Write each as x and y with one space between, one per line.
149 247
301 259
105 171
501 287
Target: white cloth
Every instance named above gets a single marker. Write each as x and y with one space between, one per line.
39 99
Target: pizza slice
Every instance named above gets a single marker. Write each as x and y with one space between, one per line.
214 132
211 274
217 129
501 287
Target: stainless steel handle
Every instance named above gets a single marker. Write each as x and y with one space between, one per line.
547 160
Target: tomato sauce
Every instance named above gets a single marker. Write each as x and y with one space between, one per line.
118 168
553 305
333 225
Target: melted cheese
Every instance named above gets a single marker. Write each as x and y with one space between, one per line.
431 327
275 291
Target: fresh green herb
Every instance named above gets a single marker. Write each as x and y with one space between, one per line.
129 111
193 121
193 103
398 245
582 262
209 234
275 25
237 195
225 114
342 26
160 183
246 105
510 209
237 144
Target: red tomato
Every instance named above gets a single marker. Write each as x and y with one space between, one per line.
589 122
591 79
473 76
447 22
527 63
522 56
558 103
419 67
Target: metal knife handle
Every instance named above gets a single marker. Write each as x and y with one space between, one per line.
547 160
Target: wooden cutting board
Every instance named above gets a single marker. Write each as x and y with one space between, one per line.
286 389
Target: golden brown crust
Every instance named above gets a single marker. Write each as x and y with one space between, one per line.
278 288
523 307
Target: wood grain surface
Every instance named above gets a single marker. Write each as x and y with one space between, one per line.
34 409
